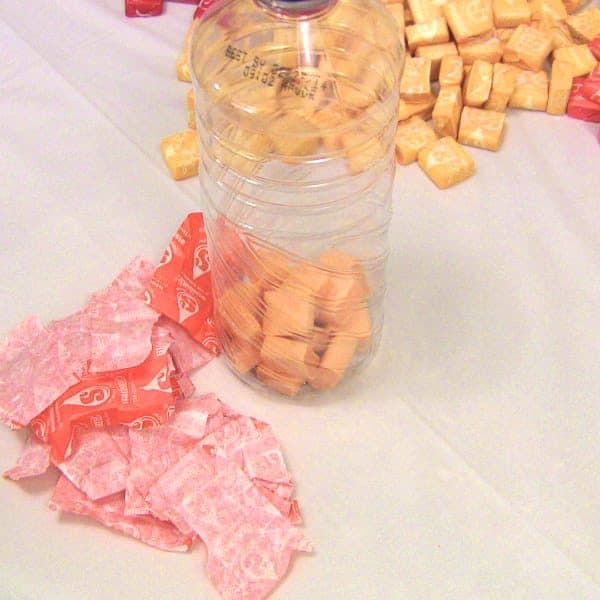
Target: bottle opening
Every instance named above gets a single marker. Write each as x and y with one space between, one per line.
296 9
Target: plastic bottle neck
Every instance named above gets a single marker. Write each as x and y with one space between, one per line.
296 9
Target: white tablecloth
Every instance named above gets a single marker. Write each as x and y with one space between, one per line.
464 464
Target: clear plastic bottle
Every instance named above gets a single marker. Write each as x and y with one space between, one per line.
296 109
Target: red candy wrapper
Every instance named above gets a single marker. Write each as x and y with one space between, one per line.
590 89
143 8
181 286
141 397
595 47
580 107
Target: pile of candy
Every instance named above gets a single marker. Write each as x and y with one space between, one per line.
109 403
487 56
469 60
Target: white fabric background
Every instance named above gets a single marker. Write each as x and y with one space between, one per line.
463 464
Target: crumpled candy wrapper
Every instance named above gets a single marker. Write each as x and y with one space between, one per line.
110 405
110 512
155 451
249 542
37 364
187 354
181 286
97 466
34 460
120 322
139 397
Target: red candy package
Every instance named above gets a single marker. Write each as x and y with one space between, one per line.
595 47
143 8
181 286
591 86
140 397
580 107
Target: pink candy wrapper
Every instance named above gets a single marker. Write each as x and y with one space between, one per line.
38 364
34 460
249 543
110 512
155 451
97 466
120 321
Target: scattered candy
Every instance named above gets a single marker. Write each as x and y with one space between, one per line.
504 79
585 26
468 18
531 90
581 58
511 13
411 136
435 53
527 47
478 84
446 112
561 81
180 152
415 82
425 34
486 48
446 162
451 71
548 9
481 128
